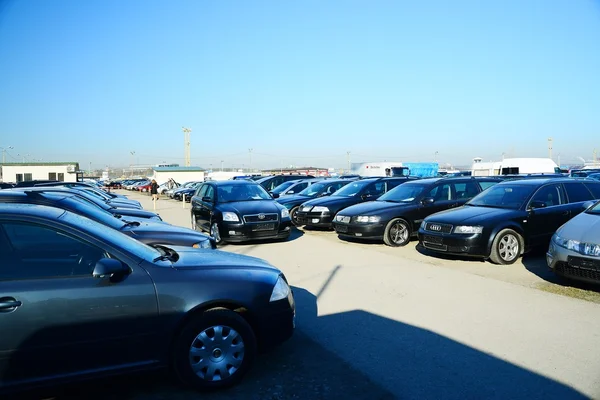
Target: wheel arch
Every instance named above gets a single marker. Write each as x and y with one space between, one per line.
508 225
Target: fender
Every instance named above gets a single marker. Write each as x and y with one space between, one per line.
506 224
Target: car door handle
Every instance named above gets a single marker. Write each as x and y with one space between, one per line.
8 303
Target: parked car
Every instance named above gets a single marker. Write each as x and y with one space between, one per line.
146 231
113 185
318 189
171 193
238 210
508 219
86 185
395 216
294 187
583 173
121 306
138 214
33 182
320 212
115 202
4 185
271 182
188 191
595 176
574 250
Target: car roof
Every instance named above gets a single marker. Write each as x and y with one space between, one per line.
234 182
31 209
539 181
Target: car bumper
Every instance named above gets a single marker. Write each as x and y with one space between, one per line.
572 265
320 220
277 326
467 245
368 231
238 232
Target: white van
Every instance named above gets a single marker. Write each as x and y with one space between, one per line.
513 166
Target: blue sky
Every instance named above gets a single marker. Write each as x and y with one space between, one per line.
298 82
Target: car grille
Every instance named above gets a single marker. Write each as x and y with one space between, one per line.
440 228
260 218
583 263
565 269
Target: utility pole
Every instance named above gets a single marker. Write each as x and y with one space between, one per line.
435 156
186 142
221 165
250 151
4 152
131 163
550 148
348 158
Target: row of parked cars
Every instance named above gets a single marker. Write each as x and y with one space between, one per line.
494 218
89 278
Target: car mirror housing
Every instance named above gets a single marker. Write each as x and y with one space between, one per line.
275 195
589 204
109 267
207 199
428 201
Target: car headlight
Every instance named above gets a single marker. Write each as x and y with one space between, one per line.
230 217
285 213
423 224
468 229
320 209
306 208
280 291
588 249
367 219
205 244
342 218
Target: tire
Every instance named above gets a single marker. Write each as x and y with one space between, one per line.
224 362
293 212
397 233
507 247
214 232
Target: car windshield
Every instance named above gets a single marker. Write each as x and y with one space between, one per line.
231 193
512 196
404 193
352 189
594 209
313 189
281 188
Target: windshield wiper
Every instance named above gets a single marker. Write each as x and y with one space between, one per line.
169 255
130 223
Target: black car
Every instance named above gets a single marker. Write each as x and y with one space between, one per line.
4 185
508 219
395 217
100 203
34 182
145 231
271 182
238 210
321 211
88 186
318 189
80 301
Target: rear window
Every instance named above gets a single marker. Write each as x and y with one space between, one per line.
594 188
576 192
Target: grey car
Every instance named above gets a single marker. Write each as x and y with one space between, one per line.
574 250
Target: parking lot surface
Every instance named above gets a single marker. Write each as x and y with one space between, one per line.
375 322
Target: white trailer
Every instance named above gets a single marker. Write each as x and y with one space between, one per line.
512 166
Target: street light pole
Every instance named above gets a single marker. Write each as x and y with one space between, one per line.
131 163
221 165
250 151
4 152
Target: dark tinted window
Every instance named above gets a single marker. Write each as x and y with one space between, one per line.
35 251
465 190
441 192
299 187
210 192
200 191
393 183
486 184
577 192
375 189
594 188
549 195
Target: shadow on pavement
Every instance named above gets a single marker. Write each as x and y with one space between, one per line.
442 256
536 264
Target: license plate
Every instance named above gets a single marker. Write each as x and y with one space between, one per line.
341 228
263 227
315 220
433 239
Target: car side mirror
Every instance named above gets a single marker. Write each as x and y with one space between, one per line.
207 199
537 204
109 267
324 194
589 204
275 195
290 192
427 201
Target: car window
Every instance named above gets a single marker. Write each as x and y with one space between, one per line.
486 184
549 195
200 192
392 183
576 192
465 190
299 187
375 189
594 188
209 192
34 251
441 192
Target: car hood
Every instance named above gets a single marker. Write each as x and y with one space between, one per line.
251 207
133 212
371 208
473 215
584 228
334 201
293 198
206 258
161 229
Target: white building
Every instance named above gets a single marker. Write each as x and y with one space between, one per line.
60 171
510 166
178 174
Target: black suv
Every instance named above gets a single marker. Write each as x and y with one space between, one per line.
271 182
395 216
321 211
508 219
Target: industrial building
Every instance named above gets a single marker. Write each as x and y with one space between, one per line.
178 174
29 171
314 171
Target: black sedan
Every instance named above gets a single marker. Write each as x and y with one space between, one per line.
508 219
145 231
321 211
237 211
100 203
79 300
395 216
319 189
